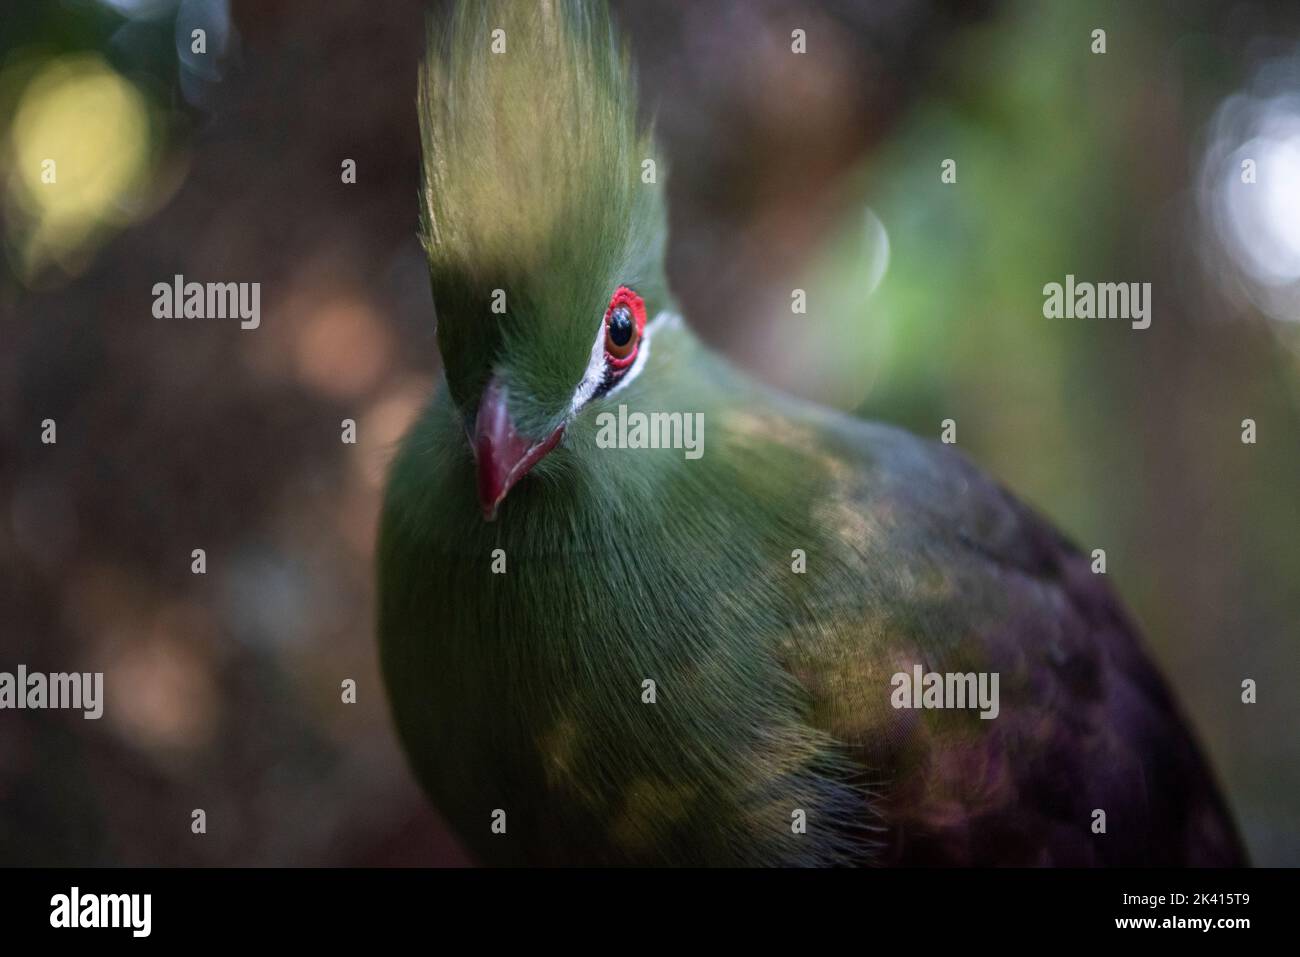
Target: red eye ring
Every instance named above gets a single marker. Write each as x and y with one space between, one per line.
621 355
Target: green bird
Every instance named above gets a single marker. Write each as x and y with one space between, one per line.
638 608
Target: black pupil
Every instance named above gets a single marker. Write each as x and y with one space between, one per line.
620 326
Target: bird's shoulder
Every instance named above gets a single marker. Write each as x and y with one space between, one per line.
956 576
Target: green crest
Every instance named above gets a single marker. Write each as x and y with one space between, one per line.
535 203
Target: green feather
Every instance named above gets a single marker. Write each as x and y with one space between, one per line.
522 691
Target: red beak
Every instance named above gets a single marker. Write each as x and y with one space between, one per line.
503 455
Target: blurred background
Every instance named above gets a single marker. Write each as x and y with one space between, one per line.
820 171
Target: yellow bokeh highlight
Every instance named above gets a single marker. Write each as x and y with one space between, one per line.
94 125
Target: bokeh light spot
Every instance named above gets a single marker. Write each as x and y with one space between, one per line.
94 125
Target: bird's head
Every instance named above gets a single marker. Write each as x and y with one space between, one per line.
542 220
